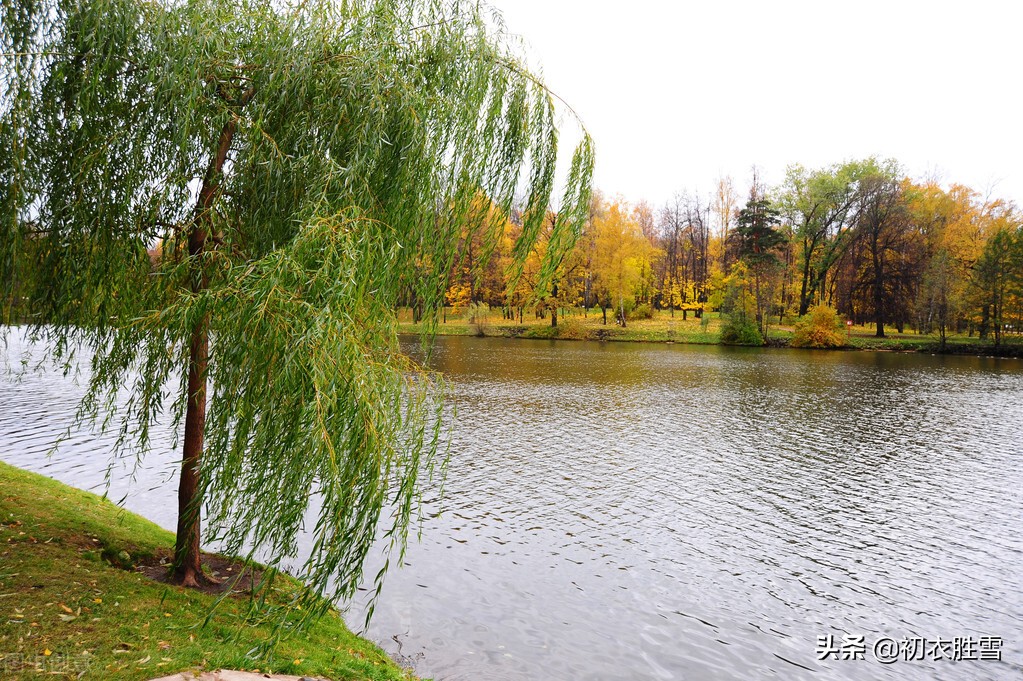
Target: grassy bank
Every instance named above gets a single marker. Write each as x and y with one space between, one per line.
662 327
577 324
73 600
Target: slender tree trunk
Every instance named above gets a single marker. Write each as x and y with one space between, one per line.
996 313
760 311
878 287
187 557
554 308
805 289
187 567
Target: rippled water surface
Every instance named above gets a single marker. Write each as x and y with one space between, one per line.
619 511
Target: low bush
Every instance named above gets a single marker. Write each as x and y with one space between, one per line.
642 311
740 332
821 328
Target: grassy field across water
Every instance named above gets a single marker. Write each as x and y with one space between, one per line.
662 327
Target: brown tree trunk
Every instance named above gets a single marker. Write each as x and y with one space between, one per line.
187 569
760 310
805 291
878 263
554 306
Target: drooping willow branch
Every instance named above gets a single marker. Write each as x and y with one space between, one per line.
334 154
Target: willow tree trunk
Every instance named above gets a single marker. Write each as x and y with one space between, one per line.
187 569
187 565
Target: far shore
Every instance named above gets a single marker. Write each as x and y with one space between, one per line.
663 328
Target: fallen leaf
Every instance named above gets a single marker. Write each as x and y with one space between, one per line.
65 608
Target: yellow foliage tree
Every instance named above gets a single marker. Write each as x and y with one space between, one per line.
620 257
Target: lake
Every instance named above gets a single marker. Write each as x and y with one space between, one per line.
634 511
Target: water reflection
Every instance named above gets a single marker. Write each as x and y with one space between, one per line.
619 511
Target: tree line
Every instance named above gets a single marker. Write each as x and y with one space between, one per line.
859 237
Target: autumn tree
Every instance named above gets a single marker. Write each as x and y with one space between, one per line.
476 275
696 254
304 166
644 216
671 236
684 238
952 225
526 283
938 293
999 278
881 222
619 251
818 204
725 203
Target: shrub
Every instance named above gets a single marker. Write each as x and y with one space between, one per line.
820 329
642 311
740 332
571 329
478 316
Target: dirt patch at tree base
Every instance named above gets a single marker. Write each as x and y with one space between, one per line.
228 574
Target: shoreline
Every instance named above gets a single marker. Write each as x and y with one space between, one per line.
613 334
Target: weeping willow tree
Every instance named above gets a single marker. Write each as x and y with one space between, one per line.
217 207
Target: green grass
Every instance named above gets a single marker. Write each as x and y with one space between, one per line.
575 325
663 328
66 608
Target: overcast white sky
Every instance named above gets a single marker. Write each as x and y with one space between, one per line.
677 94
